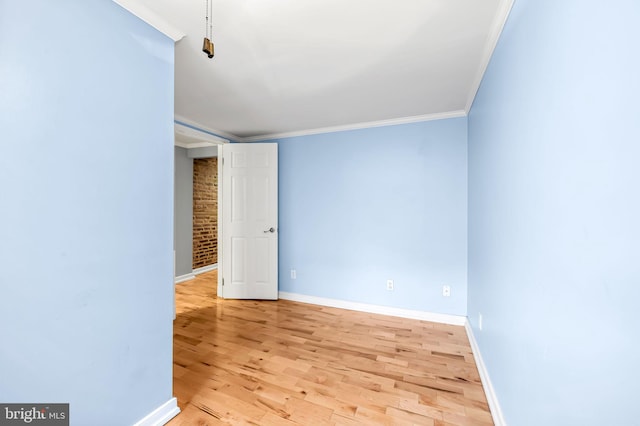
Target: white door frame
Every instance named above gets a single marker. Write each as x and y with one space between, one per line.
220 221
191 138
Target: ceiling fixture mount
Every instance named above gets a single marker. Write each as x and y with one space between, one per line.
207 45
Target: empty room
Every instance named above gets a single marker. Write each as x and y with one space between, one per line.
319 212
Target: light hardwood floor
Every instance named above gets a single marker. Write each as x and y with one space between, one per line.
267 363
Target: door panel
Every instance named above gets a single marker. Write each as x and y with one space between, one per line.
250 221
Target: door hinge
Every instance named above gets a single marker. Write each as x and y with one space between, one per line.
223 282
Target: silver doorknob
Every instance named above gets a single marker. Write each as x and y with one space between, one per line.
272 230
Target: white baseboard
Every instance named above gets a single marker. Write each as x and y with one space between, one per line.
204 269
194 273
375 309
183 278
161 415
492 398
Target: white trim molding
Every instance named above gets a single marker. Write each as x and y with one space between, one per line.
151 18
197 127
358 126
375 309
492 41
204 269
492 398
206 138
194 273
183 278
220 135
160 415
194 145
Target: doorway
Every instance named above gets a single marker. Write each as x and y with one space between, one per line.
195 202
248 183
205 214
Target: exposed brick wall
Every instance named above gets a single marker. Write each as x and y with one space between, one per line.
205 212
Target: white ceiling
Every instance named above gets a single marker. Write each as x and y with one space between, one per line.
287 66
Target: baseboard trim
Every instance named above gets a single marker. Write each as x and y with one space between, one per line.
492 398
204 269
375 309
194 273
183 278
161 415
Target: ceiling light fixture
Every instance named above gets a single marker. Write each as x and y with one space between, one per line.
207 45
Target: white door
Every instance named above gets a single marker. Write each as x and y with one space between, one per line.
249 221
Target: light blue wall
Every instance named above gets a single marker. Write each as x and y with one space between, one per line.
359 207
554 209
86 209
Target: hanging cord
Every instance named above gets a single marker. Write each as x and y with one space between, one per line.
206 23
207 45
210 22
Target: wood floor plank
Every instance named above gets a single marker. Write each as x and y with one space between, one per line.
285 363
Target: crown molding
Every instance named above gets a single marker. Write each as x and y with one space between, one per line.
204 138
492 41
194 145
186 123
357 126
151 18
181 144
191 128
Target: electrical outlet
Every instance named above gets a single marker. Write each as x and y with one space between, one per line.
446 291
480 321
389 284
293 274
